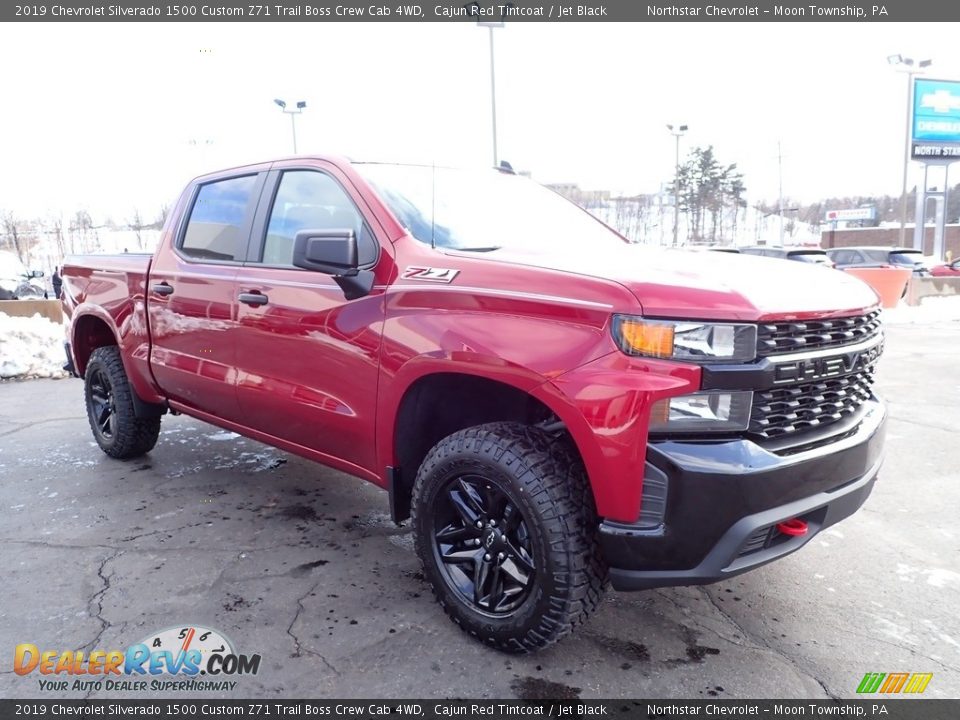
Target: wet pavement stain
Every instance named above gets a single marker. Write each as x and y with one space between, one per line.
299 512
633 651
531 688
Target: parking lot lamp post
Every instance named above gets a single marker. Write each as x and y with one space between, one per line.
677 133
493 87
293 118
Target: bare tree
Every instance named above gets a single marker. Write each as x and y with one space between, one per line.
81 227
162 213
136 224
13 233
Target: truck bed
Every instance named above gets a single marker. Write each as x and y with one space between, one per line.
110 281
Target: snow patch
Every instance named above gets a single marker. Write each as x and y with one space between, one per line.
930 310
31 347
223 436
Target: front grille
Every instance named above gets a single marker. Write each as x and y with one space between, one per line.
791 337
805 406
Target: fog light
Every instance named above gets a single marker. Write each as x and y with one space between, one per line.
702 412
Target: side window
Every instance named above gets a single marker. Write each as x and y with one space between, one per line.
216 220
310 200
842 257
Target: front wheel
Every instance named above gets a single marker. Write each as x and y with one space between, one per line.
109 398
505 526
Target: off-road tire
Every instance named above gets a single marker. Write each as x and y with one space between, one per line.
547 479
127 436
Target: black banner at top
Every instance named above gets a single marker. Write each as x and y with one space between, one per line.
478 11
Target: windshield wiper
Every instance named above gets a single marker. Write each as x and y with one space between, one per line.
491 248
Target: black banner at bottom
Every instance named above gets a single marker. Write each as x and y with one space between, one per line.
880 708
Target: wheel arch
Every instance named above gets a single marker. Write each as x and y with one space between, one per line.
92 330
444 401
88 332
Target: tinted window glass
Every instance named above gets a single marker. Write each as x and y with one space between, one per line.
309 200
809 257
908 259
214 229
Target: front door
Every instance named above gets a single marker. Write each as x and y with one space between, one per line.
307 358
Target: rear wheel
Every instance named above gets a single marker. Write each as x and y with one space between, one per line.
110 410
504 523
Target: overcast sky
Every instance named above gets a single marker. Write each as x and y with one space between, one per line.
117 115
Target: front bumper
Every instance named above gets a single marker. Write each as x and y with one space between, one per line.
722 500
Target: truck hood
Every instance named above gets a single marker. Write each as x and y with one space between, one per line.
713 285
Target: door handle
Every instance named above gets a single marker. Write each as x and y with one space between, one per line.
162 288
253 298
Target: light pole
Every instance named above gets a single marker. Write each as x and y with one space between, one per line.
293 118
677 133
906 65
493 86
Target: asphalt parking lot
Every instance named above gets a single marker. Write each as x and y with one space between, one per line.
302 565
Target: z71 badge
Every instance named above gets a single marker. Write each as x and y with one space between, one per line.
416 272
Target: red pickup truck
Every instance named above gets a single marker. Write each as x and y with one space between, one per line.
553 408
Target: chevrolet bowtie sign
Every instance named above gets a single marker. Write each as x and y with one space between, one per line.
936 120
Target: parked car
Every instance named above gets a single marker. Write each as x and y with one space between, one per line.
879 257
550 406
946 270
801 254
16 282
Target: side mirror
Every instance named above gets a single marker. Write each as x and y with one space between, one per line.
333 252
36 273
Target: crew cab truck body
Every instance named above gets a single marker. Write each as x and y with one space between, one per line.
552 407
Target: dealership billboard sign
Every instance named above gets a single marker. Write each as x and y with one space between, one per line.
935 130
862 213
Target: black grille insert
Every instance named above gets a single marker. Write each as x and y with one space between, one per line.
794 408
791 337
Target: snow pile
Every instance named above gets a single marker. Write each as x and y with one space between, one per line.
930 310
30 348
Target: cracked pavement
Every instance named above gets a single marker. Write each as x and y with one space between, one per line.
301 564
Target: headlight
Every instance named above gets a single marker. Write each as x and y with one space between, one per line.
689 341
702 412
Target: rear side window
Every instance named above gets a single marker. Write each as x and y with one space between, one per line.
214 230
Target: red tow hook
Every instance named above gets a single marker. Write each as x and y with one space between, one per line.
794 526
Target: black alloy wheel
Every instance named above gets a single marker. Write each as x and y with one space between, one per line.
484 545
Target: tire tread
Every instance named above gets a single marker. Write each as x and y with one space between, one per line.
552 474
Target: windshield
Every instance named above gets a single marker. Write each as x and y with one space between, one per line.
484 210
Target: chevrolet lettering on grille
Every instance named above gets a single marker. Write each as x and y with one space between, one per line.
830 366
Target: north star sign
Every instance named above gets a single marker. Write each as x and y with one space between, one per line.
936 120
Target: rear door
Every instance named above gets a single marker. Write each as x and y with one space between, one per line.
308 359
191 295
